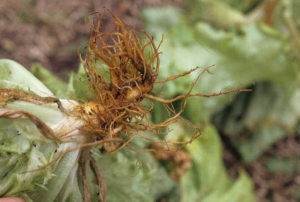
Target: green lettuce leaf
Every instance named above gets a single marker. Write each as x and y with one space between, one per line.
23 149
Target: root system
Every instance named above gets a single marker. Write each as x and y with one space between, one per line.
132 63
122 91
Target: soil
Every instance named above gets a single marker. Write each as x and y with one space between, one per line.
50 32
30 32
270 185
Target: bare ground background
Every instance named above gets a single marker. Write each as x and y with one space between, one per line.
50 32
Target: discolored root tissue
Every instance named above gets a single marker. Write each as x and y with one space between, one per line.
122 95
132 64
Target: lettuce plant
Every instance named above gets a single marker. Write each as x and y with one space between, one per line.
24 150
49 144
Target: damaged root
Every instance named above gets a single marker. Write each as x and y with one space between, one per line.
122 90
178 161
133 66
86 162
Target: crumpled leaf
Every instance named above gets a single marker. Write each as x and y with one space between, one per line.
239 59
263 113
24 149
254 54
135 177
207 180
29 149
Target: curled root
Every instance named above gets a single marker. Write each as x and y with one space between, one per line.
133 66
